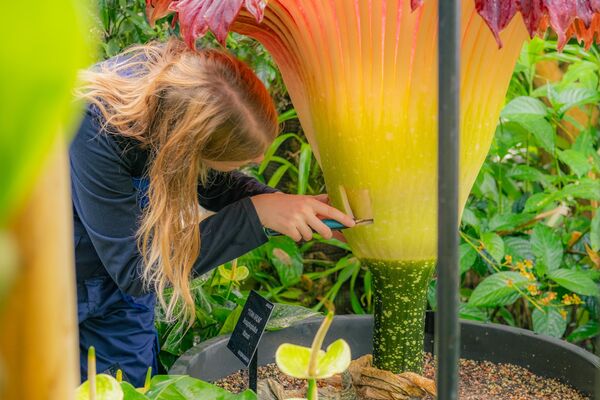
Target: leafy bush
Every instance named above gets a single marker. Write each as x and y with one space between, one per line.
531 229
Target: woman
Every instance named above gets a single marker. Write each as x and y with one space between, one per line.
164 131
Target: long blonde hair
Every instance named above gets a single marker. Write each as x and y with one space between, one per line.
185 108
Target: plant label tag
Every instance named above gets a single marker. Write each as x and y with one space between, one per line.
250 327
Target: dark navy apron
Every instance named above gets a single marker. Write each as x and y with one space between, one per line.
120 326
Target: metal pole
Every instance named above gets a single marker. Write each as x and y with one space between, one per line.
447 334
253 373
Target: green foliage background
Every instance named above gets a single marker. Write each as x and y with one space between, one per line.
530 231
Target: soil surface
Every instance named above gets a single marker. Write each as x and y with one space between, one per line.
479 380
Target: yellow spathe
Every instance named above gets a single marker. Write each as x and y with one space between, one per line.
362 75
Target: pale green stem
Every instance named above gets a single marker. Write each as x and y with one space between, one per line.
318 343
92 372
312 392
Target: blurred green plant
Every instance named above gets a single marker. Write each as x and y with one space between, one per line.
36 81
531 229
312 363
179 387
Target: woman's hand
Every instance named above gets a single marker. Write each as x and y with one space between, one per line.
298 216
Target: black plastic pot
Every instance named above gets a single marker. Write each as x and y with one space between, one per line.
542 355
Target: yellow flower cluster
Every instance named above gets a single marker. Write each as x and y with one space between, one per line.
525 269
533 289
548 298
572 299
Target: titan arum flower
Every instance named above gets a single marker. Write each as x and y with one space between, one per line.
362 75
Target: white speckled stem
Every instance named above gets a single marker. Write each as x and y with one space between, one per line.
400 295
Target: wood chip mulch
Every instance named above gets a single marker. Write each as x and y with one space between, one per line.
479 380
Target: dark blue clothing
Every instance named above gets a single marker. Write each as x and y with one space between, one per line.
116 315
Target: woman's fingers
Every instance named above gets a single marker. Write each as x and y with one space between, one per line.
305 231
319 226
333 213
323 198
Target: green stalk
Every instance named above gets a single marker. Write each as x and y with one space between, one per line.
312 393
400 298
92 372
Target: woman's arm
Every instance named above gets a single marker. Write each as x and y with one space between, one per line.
224 188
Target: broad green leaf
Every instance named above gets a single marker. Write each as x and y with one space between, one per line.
540 128
547 247
524 105
130 393
576 161
471 313
576 281
595 232
107 388
231 321
503 222
286 258
585 188
584 72
164 387
293 360
494 245
467 256
571 97
487 186
528 173
336 360
549 322
586 331
498 290
584 143
469 218
518 248
285 315
539 201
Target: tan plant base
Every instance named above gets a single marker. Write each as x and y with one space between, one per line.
361 381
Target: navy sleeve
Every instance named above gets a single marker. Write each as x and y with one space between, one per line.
105 200
224 188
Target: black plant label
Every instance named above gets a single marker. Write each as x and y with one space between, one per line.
250 327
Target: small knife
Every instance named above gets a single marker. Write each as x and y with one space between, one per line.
331 223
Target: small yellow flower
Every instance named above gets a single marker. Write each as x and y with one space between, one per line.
528 264
508 259
563 313
509 282
576 299
520 266
533 290
566 300
527 275
548 298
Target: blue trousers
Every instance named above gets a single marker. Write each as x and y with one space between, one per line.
120 327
